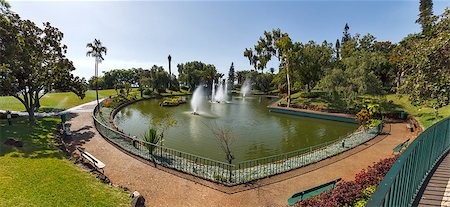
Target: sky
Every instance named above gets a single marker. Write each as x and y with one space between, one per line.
144 33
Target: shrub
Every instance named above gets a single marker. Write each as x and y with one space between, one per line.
313 94
353 193
148 92
220 178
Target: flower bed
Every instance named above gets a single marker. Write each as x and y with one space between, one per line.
352 193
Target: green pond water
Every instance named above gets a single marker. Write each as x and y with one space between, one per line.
257 132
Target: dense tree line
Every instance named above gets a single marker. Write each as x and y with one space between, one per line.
155 79
360 65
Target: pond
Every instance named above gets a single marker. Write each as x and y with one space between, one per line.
256 132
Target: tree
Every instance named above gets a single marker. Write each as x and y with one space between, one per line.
425 16
425 62
311 62
337 47
33 62
287 53
263 51
277 44
192 74
4 6
263 82
231 76
225 137
96 50
346 34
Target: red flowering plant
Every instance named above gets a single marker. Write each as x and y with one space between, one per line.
352 193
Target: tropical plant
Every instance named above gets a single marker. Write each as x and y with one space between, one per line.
156 132
96 50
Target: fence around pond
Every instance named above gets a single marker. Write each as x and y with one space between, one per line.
221 172
402 183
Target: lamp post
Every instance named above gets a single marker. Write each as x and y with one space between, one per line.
170 70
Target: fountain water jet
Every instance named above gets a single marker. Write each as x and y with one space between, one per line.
221 95
246 88
196 101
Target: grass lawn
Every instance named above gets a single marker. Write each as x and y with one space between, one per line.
56 101
38 174
425 115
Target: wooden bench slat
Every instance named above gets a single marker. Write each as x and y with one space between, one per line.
99 164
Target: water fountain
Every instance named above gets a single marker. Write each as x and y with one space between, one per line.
196 101
221 95
246 88
213 93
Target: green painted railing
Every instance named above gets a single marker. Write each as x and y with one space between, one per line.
224 173
404 180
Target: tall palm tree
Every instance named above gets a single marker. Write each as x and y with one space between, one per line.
96 50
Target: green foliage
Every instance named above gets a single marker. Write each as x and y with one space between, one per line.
173 101
33 61
192 74
220 178
426 15
152 138
367 193
367 115
312 60
424 61
116 101
364 68
231 76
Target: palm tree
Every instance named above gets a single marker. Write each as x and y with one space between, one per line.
96 50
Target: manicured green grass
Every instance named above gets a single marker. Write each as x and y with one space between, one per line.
425 115
38 174
55 101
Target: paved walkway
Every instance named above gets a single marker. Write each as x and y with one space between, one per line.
437 191
162 188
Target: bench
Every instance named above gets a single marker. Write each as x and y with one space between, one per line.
312 192
97 163
400 146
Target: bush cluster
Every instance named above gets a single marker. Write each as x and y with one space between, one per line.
352 193
118 100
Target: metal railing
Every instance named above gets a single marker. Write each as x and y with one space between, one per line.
224 173
405 178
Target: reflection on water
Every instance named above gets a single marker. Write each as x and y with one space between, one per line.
258 132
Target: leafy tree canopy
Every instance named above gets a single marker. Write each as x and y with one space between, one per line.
33 62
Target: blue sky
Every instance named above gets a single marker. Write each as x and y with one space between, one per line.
143 33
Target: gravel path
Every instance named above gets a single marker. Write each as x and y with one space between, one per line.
166 188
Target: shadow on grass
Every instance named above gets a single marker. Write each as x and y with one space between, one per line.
39 140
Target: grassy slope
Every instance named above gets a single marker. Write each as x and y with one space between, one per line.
55 101
39 175
424 115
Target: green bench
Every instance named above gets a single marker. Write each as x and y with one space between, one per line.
400 146
312 192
